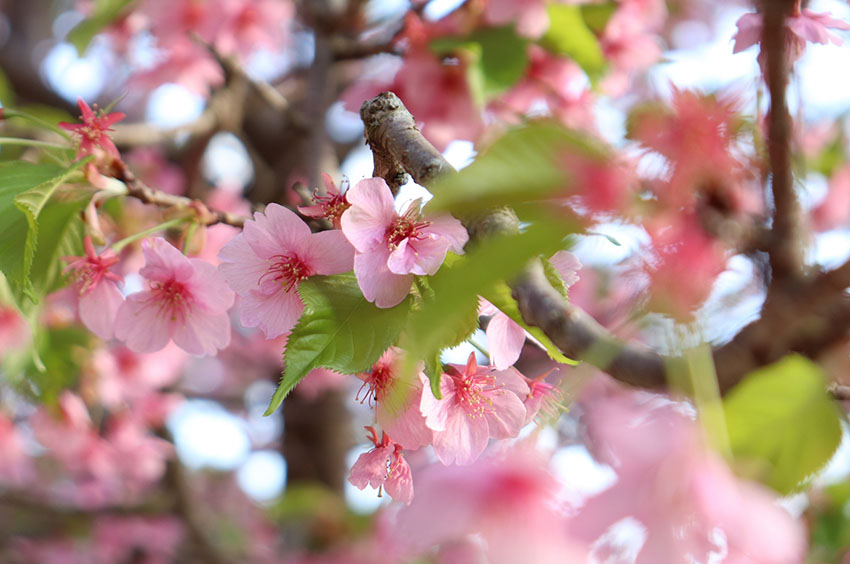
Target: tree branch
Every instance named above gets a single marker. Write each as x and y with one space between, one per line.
141 191
786 245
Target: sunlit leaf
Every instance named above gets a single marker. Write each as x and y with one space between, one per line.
105 12
782 424
25 189
339 330
524 164
498 58
569 35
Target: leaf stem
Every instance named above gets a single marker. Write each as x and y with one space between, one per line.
119 245
31 143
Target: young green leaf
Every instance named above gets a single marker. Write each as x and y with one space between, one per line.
523 165
25 189
498 54
782 423
569 35
339 330
105 13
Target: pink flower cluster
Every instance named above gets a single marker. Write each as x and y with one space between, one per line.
186 300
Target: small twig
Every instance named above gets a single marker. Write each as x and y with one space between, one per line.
139 190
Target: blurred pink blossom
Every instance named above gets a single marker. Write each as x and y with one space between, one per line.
391 248
834 211
509 503
802 26
187 302
267 261
677 488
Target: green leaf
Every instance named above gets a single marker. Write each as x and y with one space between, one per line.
17 245
105 12
569 35
457 287
32 203
524 164
782 424
554 277
596 16
339 330
498 58
63 351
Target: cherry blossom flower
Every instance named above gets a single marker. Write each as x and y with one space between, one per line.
679 490
329 206
383 466
802 26
93 133
269 259
98 297
396 401
478 403
15 464
507 502
187 302
391 248
254 24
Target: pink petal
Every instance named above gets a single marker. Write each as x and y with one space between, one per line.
163 261
449 228
421 256
203 332
377 283
436 411
140 325
407 426
258 235
399 483
370 214
274 315
209 290
370 468
505 339
567 265
464 438
508 415
240 266
749 32
287 229
99 307
329 252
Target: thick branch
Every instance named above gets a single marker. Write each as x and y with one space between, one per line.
786 248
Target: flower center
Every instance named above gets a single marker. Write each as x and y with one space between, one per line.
333 206
173 299
288 270
473 392
404 227
376 383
